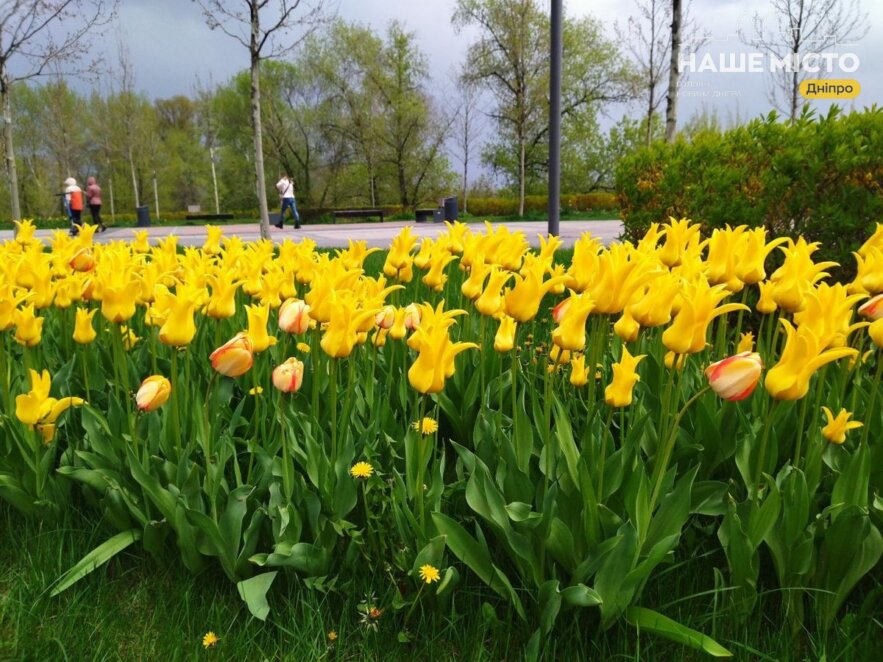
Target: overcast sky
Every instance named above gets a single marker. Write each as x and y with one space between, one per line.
171 48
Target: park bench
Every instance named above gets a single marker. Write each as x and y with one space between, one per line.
208 217
424 215
357 213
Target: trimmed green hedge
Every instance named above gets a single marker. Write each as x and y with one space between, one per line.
821 177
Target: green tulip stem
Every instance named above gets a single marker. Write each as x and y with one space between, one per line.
604 434
84 360
872 405
661 464
176 416
333 387
761 455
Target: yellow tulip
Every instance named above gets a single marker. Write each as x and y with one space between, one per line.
579 376
84 332
435 361
436 278
837 426
571 330
258 316
178 329
153 393
687 332
212 245
766 305
36 408
398 330
724 256
235 357
28 328
523 300
619 392
25 230
341 332
680 237
751 252
222 302
491 300
802 356
746 343
504 340
627 327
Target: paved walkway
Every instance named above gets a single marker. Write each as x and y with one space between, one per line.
333 236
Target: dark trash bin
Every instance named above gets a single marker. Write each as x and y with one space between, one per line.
451 212
143 215
438 215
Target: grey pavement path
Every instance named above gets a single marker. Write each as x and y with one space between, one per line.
334 236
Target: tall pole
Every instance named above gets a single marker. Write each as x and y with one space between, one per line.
555 119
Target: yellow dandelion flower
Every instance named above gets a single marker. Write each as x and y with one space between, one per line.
426 425
332 636
305 348
210 640
429 574
361 470
256 390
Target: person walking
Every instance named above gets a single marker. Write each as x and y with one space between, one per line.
93 199
285 187
73 197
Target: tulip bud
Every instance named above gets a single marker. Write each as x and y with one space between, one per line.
675 361
412 316
288 376
627 327
235 357
83 260
294 316
84 332
385 318
579 376
735 377
153 393
872 309
504 340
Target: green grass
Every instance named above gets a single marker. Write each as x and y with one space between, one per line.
140 608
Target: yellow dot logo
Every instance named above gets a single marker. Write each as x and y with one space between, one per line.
830 89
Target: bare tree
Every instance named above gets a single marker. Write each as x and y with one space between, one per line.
468 127
38 38
801 27
648 40
265 29
674 72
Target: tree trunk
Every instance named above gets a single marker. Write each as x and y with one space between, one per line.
155 195
110 191
134 176
671 109
211 152
651 87
466 181
10 150
257 130
795 87
522 149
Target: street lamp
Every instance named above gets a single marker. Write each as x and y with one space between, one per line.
555 119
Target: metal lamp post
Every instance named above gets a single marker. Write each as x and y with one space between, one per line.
555 120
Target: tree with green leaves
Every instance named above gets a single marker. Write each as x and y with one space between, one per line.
40 38
510 58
